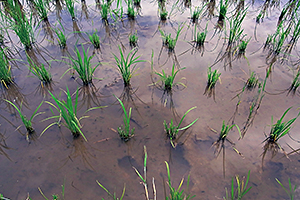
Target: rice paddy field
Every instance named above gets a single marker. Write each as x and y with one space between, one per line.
124 99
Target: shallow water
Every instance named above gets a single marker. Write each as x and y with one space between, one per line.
55 158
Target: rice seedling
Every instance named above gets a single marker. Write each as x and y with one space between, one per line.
144 179
242 47
295 84
223 11
104 11
5 70
236 31
241 189
26 122
71 8
83 66
61 37
199 38
278 130
168 80
168 41
291 192
40 72
124 131
176 194
295 35
172 130
251 82
127 66
130 10
111 195
42 9
196 14
68 112
95 40
133 38
220 143
212 78
163 14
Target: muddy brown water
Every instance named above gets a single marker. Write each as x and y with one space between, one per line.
55 158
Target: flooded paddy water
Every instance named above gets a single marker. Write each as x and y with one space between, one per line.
56 158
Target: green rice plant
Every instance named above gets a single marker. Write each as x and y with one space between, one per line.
172 130
196 14
61 37
112 195
212 78
3 198
40 72
130 10
124 131
127 66
220 143
26 122
199 37
177 194
290 193
5 70
42 9
67 114
252 81
133 38
168 80
223 10
295 35
104 10
95 40
163 14
71 8
242 46
137 2
241 189
295 84
83 66
144 179
236 31
168 41
278 130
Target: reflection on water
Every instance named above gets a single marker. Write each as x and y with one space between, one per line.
54 157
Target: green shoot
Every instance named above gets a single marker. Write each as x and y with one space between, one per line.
133 38
124 131
220 143
196 14
112 195
212 78
242 46
27 122
236 32
290 193
40 72
168 41
172 130
168 80
42 9
5 70
278 130
223 10
176 194
83 66
104 10
241 189
163 13
61 38
125 65
252 81
130 10
68 112
54 196
95 40
71 8
295 84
